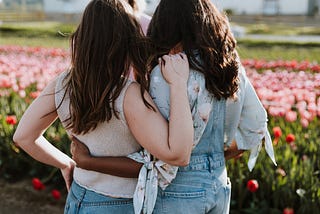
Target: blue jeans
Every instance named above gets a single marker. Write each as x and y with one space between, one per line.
81 200
201 187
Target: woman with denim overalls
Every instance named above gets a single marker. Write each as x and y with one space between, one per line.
225 110
98 103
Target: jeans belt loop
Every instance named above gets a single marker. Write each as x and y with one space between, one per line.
211 164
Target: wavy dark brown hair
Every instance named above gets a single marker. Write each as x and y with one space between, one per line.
204 32
107 41
133 4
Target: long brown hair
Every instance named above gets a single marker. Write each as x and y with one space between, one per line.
204 33
133 4
107 41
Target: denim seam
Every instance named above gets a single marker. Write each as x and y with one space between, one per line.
185 194
109 203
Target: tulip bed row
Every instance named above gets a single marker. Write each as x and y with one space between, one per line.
289 90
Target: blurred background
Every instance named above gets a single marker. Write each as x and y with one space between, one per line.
40 10
289 20
279 45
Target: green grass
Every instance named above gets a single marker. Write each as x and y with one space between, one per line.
35 41
48 34
272 50
246 50
275 52
280 29
38 29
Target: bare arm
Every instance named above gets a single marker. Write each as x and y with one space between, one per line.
171 143
232 151
117 166
122 166
28 135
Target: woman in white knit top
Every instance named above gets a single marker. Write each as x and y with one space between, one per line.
97 103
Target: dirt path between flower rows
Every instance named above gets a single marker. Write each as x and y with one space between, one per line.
21 198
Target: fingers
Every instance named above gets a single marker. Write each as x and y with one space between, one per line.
72 148
165 59
161 62
175 68
183 56
68 187
74 139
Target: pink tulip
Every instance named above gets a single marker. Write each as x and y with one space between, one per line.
291 116
304 123
281 172
306 115
22 93
312 107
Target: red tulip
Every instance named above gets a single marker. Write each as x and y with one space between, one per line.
275 141
11 119
290 138
252 185
56 194
277 132
37 184
34 94
288 210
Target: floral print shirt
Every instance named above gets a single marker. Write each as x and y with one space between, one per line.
245 122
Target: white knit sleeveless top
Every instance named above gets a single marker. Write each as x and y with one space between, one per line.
111 138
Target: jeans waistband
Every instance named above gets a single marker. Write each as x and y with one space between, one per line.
205 162
81 192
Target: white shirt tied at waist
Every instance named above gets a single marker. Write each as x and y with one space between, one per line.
245 122
152 174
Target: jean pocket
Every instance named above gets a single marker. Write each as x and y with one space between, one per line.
66 208
182 199
71 208
72 204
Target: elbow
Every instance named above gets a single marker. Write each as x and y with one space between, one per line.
18 139
183 162
180 159
180 155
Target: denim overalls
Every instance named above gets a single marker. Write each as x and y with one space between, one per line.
202 186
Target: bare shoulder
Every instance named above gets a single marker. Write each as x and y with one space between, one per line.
50 88
133 102
133 90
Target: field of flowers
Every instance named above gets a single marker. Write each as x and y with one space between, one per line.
289 90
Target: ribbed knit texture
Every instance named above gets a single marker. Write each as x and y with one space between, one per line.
111 138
